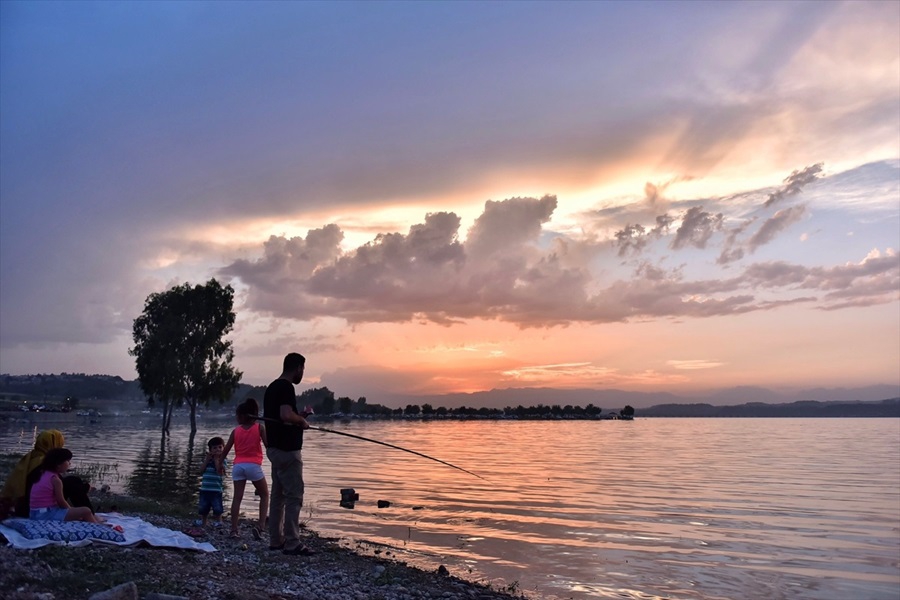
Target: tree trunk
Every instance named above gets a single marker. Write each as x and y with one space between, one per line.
165 419
189 461
171 409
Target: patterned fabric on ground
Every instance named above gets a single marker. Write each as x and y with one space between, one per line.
64 531
136 531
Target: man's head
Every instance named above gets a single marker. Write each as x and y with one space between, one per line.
294 364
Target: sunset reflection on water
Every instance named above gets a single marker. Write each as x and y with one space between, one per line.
655 508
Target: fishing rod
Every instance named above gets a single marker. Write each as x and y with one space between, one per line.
365 439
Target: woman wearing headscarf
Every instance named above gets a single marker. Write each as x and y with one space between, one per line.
14 490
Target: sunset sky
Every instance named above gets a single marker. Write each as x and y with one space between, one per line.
452 197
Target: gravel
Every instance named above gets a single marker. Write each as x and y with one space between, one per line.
241 569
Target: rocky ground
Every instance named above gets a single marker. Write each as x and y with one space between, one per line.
242 569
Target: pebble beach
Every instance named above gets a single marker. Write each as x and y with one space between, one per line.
240 569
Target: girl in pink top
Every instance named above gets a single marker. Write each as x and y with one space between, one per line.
248 439
47 502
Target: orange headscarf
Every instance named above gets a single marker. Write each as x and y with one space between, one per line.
14 488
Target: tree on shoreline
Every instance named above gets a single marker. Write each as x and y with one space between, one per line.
180 354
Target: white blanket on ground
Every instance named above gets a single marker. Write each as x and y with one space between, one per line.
135 530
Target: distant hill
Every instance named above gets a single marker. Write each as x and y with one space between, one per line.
748 394
806 408
82 386
79 385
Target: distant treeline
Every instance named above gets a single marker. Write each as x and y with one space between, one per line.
94 389
324 403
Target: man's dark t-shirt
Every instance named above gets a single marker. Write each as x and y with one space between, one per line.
281 435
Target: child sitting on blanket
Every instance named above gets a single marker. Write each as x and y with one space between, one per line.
15 491
247 439
47 501
211 484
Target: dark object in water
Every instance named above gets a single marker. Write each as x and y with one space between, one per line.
348 497
349 494
383 504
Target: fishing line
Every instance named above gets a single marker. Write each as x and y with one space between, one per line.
365 439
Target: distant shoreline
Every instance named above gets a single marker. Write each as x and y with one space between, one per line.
888 408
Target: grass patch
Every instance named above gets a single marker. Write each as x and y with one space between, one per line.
7 463
310 513
94 473
97 473
132 504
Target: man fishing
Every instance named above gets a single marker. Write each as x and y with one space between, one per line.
285 436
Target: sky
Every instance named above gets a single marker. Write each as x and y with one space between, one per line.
432 197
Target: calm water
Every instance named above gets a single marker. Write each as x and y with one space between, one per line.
655 508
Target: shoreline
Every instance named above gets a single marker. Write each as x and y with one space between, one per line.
240 569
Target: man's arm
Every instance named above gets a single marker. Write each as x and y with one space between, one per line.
288 415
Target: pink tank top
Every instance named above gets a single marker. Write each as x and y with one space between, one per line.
42 492
248 445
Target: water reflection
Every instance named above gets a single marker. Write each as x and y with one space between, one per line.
801 509
163 471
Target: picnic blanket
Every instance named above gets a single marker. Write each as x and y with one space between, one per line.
25 533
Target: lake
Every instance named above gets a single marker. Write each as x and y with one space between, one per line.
654 508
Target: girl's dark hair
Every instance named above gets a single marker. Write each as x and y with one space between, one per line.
55 457
246 410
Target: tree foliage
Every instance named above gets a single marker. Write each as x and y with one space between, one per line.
179 347
321 399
